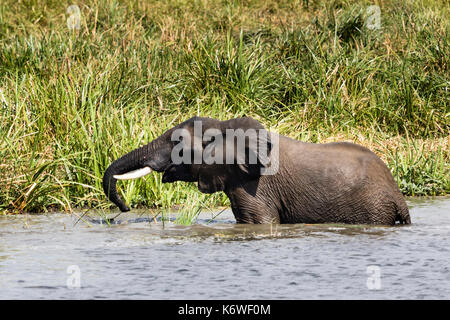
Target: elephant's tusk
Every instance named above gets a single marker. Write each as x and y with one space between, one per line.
139 173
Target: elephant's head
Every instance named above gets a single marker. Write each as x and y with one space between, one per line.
216 154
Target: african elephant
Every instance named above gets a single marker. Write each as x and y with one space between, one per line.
311 183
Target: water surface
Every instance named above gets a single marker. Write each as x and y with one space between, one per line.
44 256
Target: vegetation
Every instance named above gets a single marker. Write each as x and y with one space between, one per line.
72 100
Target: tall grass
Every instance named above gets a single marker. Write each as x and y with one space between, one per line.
71 101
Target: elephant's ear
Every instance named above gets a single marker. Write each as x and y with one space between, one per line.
258 145
245 149
256 157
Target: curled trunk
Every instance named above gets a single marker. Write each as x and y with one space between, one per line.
129 162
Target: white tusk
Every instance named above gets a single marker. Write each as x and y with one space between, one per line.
139 173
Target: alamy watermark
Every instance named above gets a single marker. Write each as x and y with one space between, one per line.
234 146
374 280
74 279
74 20
373 19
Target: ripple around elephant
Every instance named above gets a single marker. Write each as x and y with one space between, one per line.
313 183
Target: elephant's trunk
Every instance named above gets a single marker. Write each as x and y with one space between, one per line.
109 186
137 163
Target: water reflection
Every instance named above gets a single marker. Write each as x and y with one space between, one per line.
224 229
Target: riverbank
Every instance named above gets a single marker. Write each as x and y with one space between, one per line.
73 100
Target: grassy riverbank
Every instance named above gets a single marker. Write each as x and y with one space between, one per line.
71 101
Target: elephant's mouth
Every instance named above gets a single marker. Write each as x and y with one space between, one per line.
178 172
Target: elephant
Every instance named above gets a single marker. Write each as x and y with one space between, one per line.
338 182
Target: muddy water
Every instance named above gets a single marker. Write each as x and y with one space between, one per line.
52 256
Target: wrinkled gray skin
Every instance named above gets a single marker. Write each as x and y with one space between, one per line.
315 183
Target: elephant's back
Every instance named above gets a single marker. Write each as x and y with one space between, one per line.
339 161
343 177
354 166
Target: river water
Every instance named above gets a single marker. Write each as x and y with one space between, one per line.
55 257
